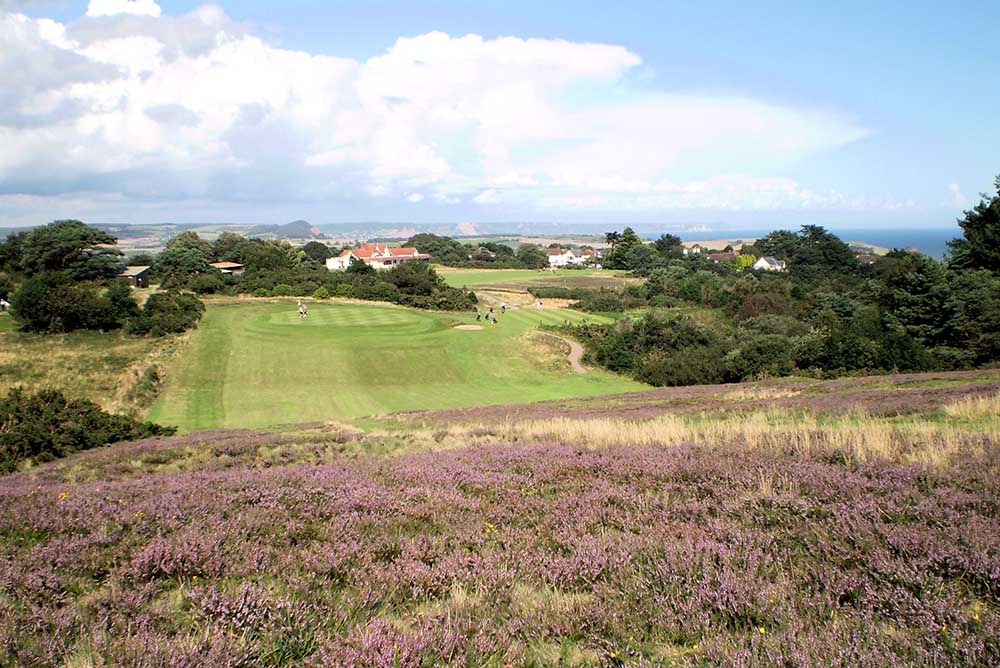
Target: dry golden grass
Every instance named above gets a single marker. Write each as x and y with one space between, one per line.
975 408
760 394
859 437
109 369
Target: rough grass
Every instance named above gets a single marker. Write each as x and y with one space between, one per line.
256 364
120 373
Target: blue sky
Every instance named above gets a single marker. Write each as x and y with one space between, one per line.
854 114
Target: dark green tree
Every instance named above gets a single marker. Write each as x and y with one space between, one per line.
669 246
317 252
193 241
979 246
260 255
361 267
414 278
226 247
175 265
531 257
80 251
623 247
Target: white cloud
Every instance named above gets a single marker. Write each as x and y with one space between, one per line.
957 198
159 107
113 7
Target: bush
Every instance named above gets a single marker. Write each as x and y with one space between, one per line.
52 302
282 290
321 293
760 356
47 425
345 291
207 284
261 292
168 312
694 365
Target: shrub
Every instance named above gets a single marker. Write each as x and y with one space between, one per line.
52 302
261 292
693 365
168 312
321 293
206 284
760 356
345 290
282 290
47 425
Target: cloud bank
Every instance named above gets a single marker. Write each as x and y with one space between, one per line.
128 103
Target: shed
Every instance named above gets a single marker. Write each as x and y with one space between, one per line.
137 277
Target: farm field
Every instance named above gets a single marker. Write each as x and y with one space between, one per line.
524 278
256 364
741 531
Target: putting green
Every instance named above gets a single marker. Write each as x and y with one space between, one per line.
257 364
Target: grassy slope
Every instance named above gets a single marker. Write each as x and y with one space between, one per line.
255 365
104 367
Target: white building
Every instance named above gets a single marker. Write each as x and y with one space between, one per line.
560 257
380 256
769 264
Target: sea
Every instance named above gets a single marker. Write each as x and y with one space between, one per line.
932 242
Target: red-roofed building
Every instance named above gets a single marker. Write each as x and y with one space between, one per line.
234 268
380 256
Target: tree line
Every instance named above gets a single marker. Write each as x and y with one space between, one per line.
828 314
63 277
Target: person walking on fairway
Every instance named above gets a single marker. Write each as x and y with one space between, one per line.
503 307
479 316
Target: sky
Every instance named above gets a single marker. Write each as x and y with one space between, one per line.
850 114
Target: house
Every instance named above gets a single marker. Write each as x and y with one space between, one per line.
137 277
560 257
769 264
234 268
694 249
867 258
380 256
721 257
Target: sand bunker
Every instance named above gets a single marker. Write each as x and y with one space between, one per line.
468 327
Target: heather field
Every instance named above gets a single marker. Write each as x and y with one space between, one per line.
761 535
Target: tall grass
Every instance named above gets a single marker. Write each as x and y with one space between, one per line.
859 437
976 408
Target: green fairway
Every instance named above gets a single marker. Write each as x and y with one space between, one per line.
256 364
472 278
6 322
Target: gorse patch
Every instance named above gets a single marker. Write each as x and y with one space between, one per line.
44 426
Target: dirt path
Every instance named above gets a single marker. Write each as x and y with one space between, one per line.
575 353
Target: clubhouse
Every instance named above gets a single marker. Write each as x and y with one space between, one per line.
380 256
